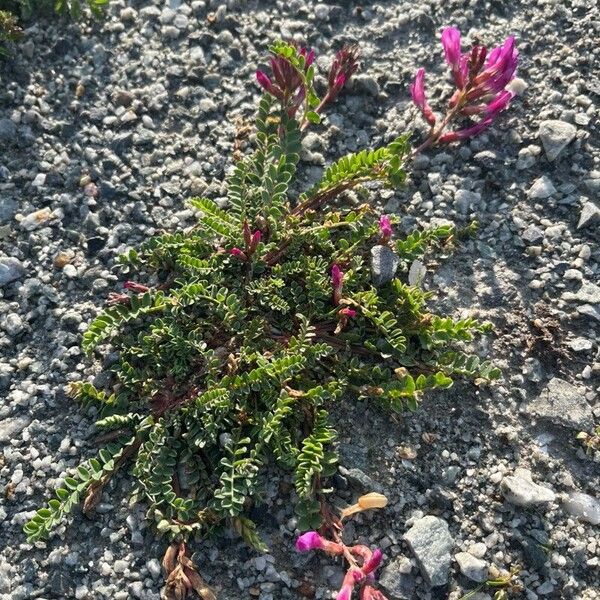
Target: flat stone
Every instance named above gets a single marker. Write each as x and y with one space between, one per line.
588 293
521 490
464 200
590 214
397 580
533 234
10 428
472 567
563 404
11 269
584 507
555 135
431 543
542 188
384 264
8 131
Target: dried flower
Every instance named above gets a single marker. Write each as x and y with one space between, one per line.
135 287
417 91
114 299
366 502
337 280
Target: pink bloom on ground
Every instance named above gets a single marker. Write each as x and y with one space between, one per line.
337 280
238 253
385 227
308 541
343 67
371 564
347 312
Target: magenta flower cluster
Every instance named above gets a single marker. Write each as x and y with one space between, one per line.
362 576
481 81
251 241
287 83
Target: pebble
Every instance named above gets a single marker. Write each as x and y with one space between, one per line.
11 269
542 188
590 214
520 489
8 131
396 578
384 264
563 404
555 136
36 219
584 507
431 543
472 567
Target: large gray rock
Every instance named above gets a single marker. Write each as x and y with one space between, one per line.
397 580
521 490
584 507
384 264
11 269
562 404
555 135
432 544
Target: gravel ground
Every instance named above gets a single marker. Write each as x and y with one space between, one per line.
106 130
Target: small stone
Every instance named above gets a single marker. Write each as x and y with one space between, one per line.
580 344
70 271
396 579
154 569
8 131
542 188
431 543
464 200
590 213
13 324
555 135
36 219
472 567
11 269
10 428
563 404
584 507
520 489
384 264
533 234
123 98
321 12
120 566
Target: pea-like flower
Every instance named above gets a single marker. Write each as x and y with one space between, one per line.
238 254
417 91
343 67
308 541
482 83
135 287
385 228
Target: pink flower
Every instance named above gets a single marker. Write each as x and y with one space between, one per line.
370 565
457 62
343 67
347 312
308 541
114 299
353 576
254 241
238 253
385 228
417 90
337 280
490 112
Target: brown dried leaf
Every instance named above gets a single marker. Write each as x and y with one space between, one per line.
199 585
429 438
169 558
93 497
407 453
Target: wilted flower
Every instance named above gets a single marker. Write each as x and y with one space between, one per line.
337 280
370 565
135 287
343 67
114 299
353 576
385 228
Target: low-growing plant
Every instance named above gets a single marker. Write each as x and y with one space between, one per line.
14 12
251 324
